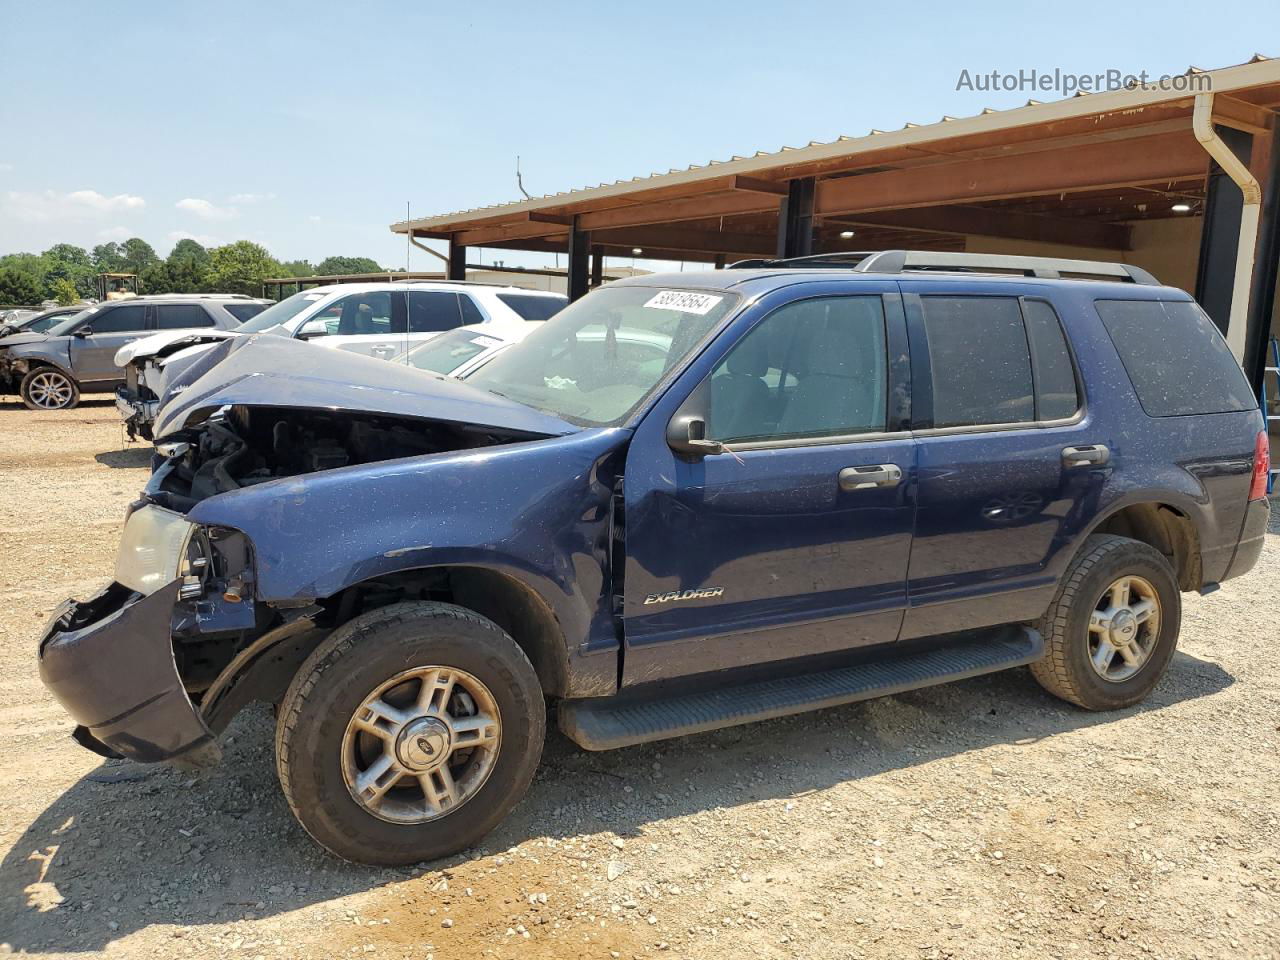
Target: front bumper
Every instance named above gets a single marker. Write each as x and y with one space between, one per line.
138 414
109 662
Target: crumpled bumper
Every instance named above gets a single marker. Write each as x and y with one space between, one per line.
138 414
109 662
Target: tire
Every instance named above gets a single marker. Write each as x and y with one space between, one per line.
322 745
48 388
1072 647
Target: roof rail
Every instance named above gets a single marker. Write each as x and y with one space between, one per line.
900 261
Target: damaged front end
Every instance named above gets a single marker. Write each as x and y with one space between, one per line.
155 666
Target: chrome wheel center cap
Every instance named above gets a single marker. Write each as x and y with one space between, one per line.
423 744
1124 627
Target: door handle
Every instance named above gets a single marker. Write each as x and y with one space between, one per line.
869 476
1089 455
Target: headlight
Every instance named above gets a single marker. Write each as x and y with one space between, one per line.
153 549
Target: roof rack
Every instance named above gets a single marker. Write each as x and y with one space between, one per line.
900 261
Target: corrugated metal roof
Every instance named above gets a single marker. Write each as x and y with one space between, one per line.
1256 71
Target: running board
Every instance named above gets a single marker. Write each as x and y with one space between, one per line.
605 723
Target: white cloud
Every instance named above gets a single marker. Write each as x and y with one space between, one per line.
246 198
6 168
314 218
50 206
206 210
116 233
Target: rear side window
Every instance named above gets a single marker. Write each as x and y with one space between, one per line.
126 319
431 311
533 308
1176 359
470 312
244 311
179 316
980 360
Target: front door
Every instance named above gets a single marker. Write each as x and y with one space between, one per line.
793 540
93 347
372 323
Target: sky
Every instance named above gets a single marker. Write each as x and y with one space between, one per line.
309 127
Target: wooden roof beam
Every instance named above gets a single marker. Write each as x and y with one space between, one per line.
679 238
1242 115
1122 163
989 222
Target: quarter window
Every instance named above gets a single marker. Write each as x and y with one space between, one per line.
980 361
1056 395
1178 362
815 368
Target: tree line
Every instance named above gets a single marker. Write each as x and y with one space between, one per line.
67 273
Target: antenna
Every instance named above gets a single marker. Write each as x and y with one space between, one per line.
520 182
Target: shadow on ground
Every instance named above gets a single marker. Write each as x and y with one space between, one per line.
130 457
140 846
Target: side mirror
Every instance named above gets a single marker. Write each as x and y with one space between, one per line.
687 435
84 332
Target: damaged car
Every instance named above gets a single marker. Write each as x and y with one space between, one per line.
684 502
388 320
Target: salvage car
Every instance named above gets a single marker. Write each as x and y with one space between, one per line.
77 355
384 320
814 481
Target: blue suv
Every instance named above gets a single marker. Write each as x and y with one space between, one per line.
688 501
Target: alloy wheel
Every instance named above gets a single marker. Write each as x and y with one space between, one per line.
1124 628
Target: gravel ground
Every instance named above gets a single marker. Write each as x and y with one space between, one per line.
980 819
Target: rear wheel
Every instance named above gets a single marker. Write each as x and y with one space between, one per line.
409 734
1113 627
48 389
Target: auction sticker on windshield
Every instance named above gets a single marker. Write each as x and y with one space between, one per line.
684 301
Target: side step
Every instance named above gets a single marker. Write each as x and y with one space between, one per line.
604 723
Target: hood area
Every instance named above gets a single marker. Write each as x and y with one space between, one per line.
166 343
22 339
268 371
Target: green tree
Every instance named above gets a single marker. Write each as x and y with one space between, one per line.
240 267
107 257
65 261
297 268
338 265
20 286
187 267
65 292
136 255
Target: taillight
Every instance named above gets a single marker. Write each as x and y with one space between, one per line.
1261 466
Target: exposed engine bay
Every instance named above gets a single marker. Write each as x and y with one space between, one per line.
243 446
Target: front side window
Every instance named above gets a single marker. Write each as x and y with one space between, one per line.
816 368
598 359
1178 362
368 314
980 361
127 319
179 316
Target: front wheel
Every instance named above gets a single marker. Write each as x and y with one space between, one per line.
1113 626
409 734
48 389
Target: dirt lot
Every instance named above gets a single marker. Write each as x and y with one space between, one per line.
981 819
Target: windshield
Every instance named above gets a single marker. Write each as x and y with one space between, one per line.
281 312
63 327
597 360
446 352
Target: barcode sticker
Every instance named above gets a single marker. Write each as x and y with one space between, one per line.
684 301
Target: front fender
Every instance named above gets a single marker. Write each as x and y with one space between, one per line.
537 511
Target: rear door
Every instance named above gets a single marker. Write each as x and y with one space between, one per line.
93 347
996 407
794 540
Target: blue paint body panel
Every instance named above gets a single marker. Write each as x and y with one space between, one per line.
977 533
